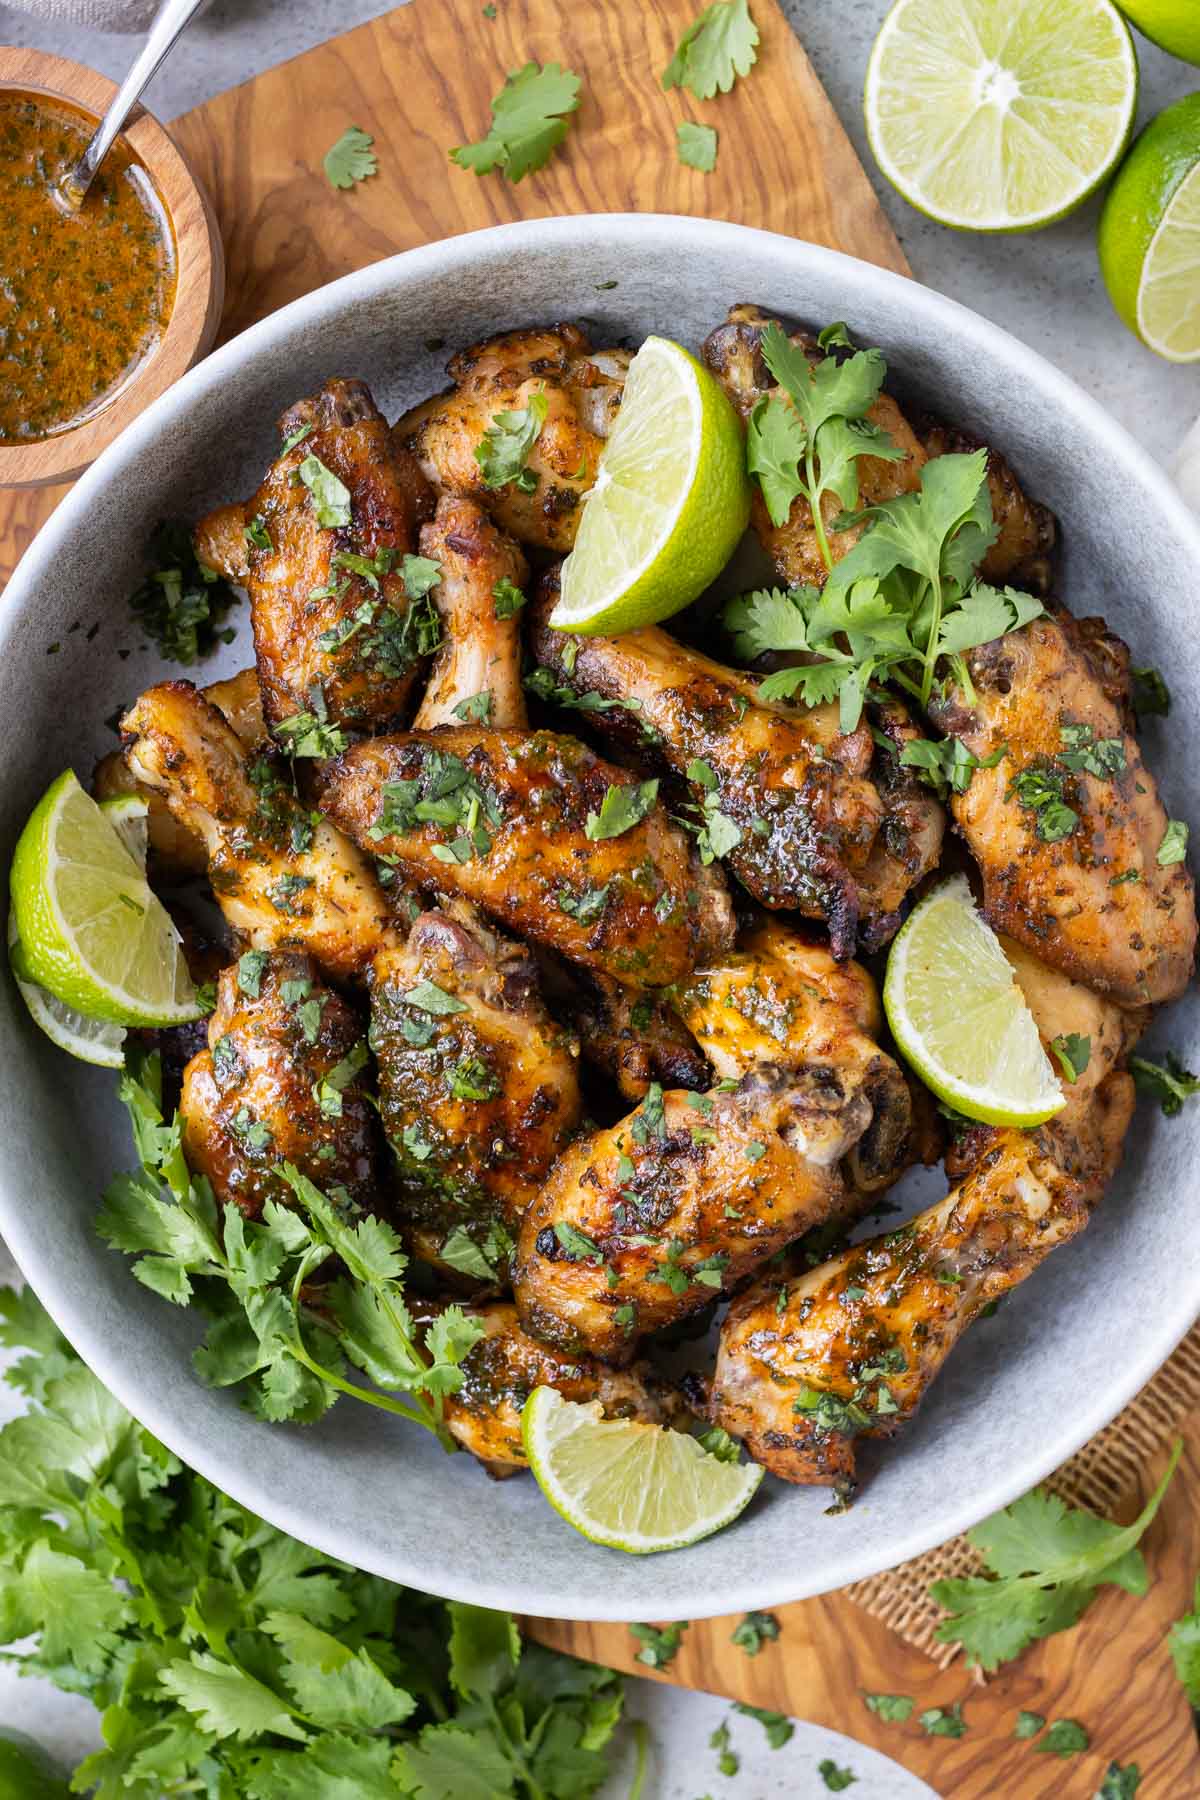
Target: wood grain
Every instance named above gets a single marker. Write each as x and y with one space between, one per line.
420 80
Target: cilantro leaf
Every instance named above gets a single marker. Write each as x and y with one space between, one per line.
778 1726
330 496
1169 1083
502 453
696 146
836 1779
1183 1642
660 1646
714 50
893 1709
1073 1053
351 159
1066 1737
755 1630
1174 844
182 603
1120 1783
621 809
529 121
227 1701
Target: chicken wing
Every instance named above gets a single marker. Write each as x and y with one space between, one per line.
512 821
477 670
283 876
781 1000
478 1088
1067 828
847 1350
909 844
336 632
582 390
644 1223
636 1039
798 815
281 1081
505 1366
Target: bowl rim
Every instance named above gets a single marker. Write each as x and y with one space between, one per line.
195 314
999 1485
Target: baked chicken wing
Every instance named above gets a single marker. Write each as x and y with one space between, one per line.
477 670
281 1081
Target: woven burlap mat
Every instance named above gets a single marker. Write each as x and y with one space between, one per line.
1104 1476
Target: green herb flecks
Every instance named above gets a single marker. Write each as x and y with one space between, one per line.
503 451
182 604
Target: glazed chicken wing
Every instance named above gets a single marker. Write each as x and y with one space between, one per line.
335 630
1067 827
582 390
781 1000
281 1081
478 1088
644 1223
636 1038
512 821
847 1350
477 669
283 876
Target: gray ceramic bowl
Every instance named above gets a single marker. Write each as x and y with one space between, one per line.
1027 1387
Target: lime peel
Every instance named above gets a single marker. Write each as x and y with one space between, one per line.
1149 234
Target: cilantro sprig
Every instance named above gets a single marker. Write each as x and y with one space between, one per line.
287 1341
228 1658
1047 1561
503 452
530 115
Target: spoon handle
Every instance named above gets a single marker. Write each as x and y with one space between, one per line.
172 18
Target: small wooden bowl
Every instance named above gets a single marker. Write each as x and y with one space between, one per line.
200 273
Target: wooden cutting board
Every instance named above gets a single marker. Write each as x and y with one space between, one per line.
420 81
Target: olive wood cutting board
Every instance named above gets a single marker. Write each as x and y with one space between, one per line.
420 81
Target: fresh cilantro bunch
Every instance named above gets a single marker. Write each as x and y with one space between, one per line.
529 121
1047 1561
182 603
902 604
229 1660
279 1331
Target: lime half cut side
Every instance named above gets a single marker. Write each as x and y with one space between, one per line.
91 930
959 1017
628 1485
670 502
1000 115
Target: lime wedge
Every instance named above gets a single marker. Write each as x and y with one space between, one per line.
1000 115
1149 240
959 1017
628 1485
91 931
670 502
1174 25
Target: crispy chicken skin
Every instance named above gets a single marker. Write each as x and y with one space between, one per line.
909 844
636 1039
848 1350
505 1366
649 909
281 878
780 999
479 653
796 789
583 391
640 1225
319 624
478 1097
250 1101
220 542
1096 903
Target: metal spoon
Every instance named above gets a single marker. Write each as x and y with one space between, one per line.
172 19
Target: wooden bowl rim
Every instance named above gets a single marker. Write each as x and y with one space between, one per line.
200 271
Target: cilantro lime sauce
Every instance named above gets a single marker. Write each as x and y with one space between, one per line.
84 297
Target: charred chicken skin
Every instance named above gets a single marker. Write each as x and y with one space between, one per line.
1067 827
582 390
280 1082
644 1223
478 1087
324 539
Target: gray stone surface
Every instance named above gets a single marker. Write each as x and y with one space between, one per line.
1044 288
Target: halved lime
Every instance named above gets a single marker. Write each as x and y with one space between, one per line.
959 1017
1174 25
90 929
670 502
1000 115
628 1485
1149 240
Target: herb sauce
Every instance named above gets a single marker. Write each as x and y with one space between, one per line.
85 296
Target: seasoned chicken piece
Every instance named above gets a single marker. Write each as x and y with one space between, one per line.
283 877
636 1039
1026 531
220 542
781 1000
582 390
800 815
281 1081
502 818
847 1350
336 632
478 1087
176 850
476 673
644 1223
909 844
1067 827
505 1366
